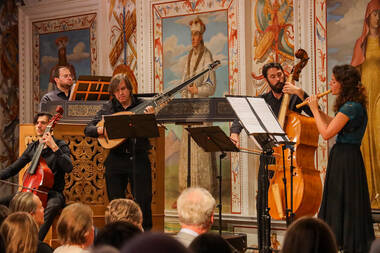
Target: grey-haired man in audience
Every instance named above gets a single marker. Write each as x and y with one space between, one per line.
195 208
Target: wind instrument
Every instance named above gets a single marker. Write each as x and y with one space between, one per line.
318 96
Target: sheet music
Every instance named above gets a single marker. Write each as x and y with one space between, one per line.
244 112
266 115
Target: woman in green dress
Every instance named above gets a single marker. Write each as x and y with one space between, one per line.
345 203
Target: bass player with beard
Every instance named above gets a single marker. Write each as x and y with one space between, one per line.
275 77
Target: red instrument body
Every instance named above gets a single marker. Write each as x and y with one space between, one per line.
39 178
42 180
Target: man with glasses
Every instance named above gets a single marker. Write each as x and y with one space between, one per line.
63 80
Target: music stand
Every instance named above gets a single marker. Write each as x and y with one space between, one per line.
262 125
131 126
213 139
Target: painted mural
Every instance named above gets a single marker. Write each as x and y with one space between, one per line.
358 22
175 45
273 39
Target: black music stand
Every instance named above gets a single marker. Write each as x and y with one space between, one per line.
131 126
213 139
261 124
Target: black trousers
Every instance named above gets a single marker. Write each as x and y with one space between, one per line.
55 203
140 180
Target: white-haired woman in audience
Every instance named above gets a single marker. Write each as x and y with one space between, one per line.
75 229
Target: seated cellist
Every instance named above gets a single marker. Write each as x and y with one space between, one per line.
56 153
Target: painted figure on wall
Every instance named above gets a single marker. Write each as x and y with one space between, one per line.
61 43
210 36
366 57
203 164
273 19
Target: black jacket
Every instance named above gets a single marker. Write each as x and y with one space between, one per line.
59 163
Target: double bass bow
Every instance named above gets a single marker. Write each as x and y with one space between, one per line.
38 178
306 185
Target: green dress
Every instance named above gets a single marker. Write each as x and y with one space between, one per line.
345 202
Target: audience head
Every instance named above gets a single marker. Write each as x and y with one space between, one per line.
30 203
75 225
124 210
309 234
4 212
210 242
154 242
196 208
20 233
116 234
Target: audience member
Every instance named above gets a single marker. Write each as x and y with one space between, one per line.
20 233
195 208
154 243
30 203
75 229
124 210
4 212
210 242
116 234
309 235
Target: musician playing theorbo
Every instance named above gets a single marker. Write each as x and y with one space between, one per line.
57 156
129 161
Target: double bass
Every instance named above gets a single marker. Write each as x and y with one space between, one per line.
306 188
38 178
